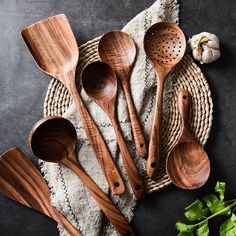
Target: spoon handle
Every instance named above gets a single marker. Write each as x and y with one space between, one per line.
99 146
184 104
109 209
21 181
133 174
153 161
139 140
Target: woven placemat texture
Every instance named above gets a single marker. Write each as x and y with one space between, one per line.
186 75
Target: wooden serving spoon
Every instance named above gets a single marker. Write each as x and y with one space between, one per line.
118 50
55 51
54 139
187 165
21 181
164 44
100 83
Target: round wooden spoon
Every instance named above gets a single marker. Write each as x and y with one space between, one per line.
21 181
100 83
118 50
164 44
55 51
54 139
187 165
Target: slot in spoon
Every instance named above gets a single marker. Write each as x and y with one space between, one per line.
187 165
100 83
54 49
54 139
164 44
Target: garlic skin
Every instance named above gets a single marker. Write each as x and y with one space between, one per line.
205 47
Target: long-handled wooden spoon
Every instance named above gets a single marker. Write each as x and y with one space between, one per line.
21 181
187 165
100 83
54 139
55 51
118 50
164 44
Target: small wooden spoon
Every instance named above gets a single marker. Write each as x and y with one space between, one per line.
21 181
100 83
187 165
55 51
54 139
164 44
118 50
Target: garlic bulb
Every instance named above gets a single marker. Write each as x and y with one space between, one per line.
205 47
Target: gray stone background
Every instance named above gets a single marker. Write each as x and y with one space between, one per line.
23 87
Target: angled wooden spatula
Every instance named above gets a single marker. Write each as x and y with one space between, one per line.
21 181
54 49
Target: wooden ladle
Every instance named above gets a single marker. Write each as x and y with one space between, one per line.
100 83
55 51
187 165
21 181
164 44
54 139
118 50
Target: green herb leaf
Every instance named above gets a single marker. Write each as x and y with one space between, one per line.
203 230
195 211
184 228
214 204
228 228
220 189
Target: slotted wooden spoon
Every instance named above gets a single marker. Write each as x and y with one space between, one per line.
54 139
55 51
21 181
165 45
118 50
100 83
187 165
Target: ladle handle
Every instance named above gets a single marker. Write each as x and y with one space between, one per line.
184 104
109 209
153 161
139 140
133 174
99 146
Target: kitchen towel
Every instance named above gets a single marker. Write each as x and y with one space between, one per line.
68 193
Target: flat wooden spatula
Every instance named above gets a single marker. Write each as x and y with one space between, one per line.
21 181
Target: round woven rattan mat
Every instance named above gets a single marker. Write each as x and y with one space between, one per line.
186 75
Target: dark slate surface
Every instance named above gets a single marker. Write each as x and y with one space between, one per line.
23 88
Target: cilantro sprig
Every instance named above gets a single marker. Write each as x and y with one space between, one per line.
200 212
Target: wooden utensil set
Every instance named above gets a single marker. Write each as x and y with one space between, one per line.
53 139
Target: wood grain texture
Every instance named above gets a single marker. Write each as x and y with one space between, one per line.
54 139
164 44
21 181
118 50
188 165
100 83
55 51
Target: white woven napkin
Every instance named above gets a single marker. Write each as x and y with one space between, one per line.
68 193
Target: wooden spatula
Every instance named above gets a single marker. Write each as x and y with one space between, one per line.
21 181
54 49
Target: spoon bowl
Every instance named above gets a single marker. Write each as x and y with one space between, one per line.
103 86
118 50
55 135
187 164
164 44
